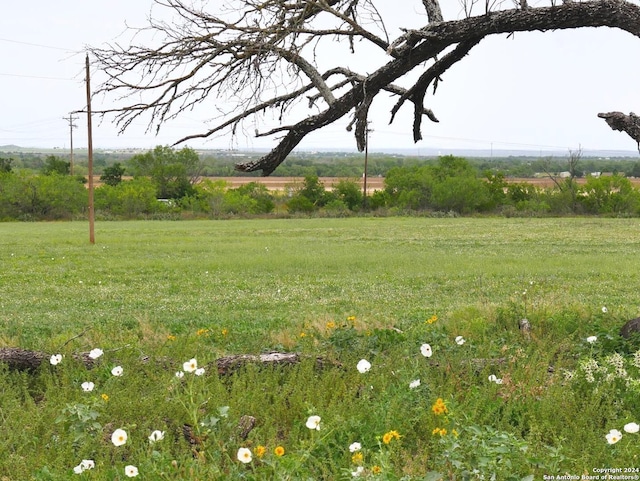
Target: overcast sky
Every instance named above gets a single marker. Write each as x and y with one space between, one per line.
537 91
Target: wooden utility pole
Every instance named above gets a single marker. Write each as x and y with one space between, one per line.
72 126
92 238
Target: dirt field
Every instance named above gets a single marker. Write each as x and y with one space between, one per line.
373 183
281 183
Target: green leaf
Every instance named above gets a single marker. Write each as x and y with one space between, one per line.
433 476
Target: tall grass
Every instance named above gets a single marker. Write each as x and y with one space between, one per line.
155 294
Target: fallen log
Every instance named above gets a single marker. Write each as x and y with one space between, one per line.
28 360
228 364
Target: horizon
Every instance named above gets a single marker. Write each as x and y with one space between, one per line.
404 151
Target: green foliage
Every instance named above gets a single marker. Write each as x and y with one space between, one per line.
112 175
5 165
450 185
497 189
130 198
463 195
311 196
264 200
410 188
216 199
447 186
349 192
50 197
300 203
80 422
56 165
173 172
609 195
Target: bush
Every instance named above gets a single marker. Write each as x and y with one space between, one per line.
300 203
130 198
348 192
264 200
41 197
463 195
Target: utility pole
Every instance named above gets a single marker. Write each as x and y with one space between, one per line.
72 126
92 238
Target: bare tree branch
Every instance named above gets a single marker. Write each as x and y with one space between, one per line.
629 124
255 55
434 13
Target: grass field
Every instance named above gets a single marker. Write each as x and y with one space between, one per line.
341 289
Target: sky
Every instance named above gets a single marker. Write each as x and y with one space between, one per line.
534 91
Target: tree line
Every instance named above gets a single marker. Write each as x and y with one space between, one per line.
168 183
333 164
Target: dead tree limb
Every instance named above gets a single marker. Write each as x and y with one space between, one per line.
28 360
630 124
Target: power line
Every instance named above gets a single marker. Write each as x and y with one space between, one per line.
478 141
36 45
36 77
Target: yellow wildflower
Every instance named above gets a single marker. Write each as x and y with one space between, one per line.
376 469
439 407
390 436
279 451
302 334
171 337
225 332
357 458
432 319
331 325
201 332
105 397
351 318
259 451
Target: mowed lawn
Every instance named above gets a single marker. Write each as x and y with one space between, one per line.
259 278
450 387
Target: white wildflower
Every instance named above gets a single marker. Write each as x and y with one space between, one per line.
156 436
119 437
95 353
55 359
313 422
363 366
190 366
613 436
87 386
